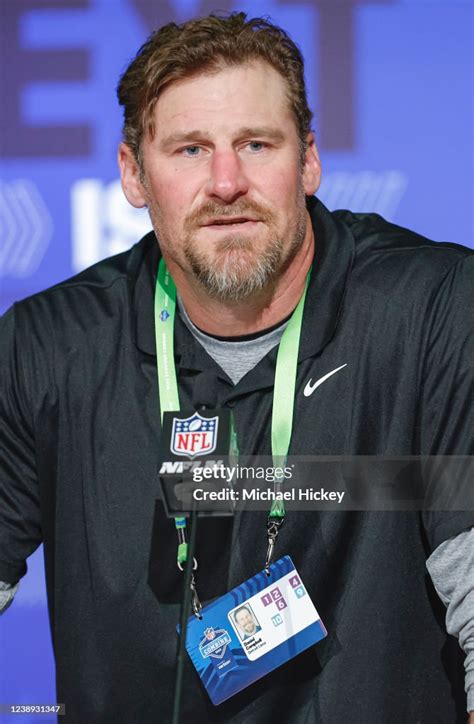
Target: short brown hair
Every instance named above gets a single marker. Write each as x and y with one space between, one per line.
207 44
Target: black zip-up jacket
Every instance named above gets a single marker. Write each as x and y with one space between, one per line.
80 413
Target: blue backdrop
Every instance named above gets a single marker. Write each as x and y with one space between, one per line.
390 82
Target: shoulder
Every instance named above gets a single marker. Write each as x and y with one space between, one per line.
77 327
86 299
389 256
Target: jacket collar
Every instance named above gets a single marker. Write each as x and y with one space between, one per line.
334 254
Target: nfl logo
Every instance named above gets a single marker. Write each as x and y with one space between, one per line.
194 436
214 644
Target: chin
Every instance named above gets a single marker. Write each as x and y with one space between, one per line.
237 263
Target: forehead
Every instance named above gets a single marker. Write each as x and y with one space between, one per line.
250 94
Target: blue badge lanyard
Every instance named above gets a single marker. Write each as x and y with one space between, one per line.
283 393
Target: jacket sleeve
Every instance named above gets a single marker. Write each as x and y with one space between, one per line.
446 405
20 522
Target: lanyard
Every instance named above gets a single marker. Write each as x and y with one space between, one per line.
283 393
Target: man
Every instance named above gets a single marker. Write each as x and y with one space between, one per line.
218 146
246 622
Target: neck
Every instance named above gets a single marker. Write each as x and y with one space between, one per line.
263 310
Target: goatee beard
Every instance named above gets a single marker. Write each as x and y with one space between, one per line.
239 269
243 271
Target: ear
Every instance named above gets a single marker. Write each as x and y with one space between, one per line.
130 177
312 167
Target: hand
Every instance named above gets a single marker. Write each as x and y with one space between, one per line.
471 717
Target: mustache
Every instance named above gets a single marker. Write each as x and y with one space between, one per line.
239 208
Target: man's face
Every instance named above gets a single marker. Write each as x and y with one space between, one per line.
223 179
245 621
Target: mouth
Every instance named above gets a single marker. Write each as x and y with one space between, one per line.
231 222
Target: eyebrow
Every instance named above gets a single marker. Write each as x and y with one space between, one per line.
246 132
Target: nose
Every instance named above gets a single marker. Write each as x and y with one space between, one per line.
227 180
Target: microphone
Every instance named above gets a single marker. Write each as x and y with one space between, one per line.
205 391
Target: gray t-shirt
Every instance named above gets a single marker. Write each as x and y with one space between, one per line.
236 357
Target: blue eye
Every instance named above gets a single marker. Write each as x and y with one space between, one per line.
191 150
256 145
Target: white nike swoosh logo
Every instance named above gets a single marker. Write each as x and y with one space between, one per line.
309 389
